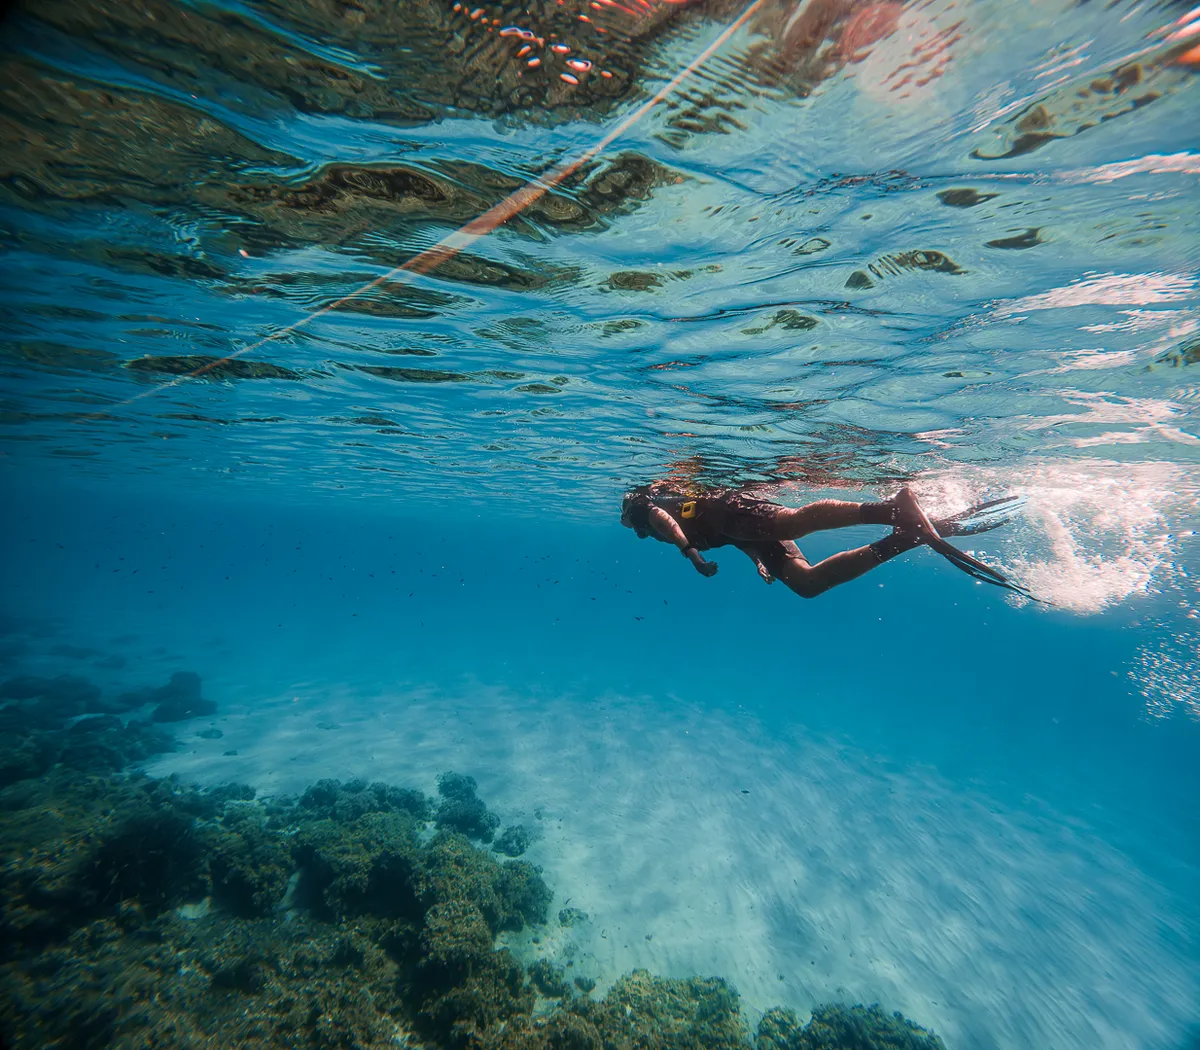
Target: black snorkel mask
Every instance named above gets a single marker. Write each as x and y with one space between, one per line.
635 515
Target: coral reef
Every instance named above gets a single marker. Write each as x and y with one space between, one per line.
462 810
640 1011
180 698
248 865
54 699
549 980
513 841
143 913
334 800
68 721
133 883
37 735
838 1027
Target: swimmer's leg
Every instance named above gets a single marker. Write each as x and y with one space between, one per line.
791 523
785 562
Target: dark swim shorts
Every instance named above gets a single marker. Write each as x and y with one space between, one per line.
738 516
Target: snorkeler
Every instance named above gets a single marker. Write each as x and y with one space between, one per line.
765 532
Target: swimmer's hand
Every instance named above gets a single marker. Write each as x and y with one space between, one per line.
704 568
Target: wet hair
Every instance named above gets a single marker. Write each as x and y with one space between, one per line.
635 510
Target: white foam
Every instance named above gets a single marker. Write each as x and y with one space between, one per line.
1091 533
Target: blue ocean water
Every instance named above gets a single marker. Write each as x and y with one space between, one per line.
943 244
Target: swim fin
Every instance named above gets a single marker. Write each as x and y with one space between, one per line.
983 517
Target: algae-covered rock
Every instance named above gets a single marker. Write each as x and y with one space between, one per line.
24 755
30 744
462 810
567 1031
837 1027
526 898
105 744
860 1027
571 916
695 1013
364 867
490 997
513 841
456 936
508 895
779 1029
470 816
249 868
640 1012
65 696
549 979
150 856
180 699
349 801
179 985
463 984
456 785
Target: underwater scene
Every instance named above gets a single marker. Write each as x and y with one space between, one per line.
600 525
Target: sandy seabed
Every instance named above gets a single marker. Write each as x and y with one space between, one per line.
803 871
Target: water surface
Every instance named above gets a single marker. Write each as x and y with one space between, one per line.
950 244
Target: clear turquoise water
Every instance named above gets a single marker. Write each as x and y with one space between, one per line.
983 811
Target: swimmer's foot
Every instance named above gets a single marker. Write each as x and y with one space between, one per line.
911 520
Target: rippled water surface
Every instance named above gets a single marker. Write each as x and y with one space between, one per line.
814 248
974 243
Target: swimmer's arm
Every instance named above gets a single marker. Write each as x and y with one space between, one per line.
668 528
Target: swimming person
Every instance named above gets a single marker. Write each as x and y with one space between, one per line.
765 532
